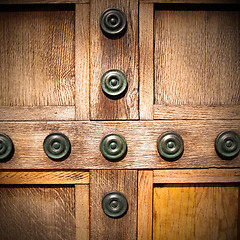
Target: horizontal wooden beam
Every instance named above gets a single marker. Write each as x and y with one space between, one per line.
42 1
44 177
193 1
196 112
197 176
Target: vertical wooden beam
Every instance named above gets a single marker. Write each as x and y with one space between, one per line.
145 202
102 226
82 61
146 72
82 211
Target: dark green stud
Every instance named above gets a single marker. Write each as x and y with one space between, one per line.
114 204
170 146
57 146
227 144
113 147
114 83
6 147
113 23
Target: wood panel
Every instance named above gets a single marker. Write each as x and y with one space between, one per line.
193 1
109 54
37 55
41 1
146 72
195 212
141 137
197 56
44 177
82 15
145 202
102 182
37 212
82 211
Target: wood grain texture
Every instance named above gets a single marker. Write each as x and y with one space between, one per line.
82 211
195 212
193 1
37 213
121 54
197 176
146 68
82 61
197 56
38 113
141 137
196 112
37 55
145 202
44 177
102 182
42 1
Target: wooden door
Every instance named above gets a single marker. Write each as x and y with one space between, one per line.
181 62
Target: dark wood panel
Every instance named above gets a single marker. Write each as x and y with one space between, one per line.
37 213
37 55
141 137
41 1
102 182
106 54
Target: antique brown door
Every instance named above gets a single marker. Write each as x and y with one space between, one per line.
119 119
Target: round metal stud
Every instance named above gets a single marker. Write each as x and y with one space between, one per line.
57 146
227 144
113 147
114 83
170 146
114 204
6 147
113 22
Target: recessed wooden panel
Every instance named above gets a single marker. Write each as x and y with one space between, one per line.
121 54
195 212
197 55
37 55
37 212
141 137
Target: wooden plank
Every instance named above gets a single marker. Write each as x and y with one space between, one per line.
146 75
102 182
44 177
38 113
141 137
173 212
82 211
42 1
82 61
216 212
196 112
193 1
37 213
145 202
197 176
37 55
196 56
106 54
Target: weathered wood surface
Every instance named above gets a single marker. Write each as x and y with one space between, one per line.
102 182
141 137
37 55
37 213
195 212
44 177
197 176
197 56
106 54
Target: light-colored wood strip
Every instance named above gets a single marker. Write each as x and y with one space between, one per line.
82 61
196 112
38 113
41 1
193 1
173 212
141 137
82 211
197 176
44 177
146 75
145 202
